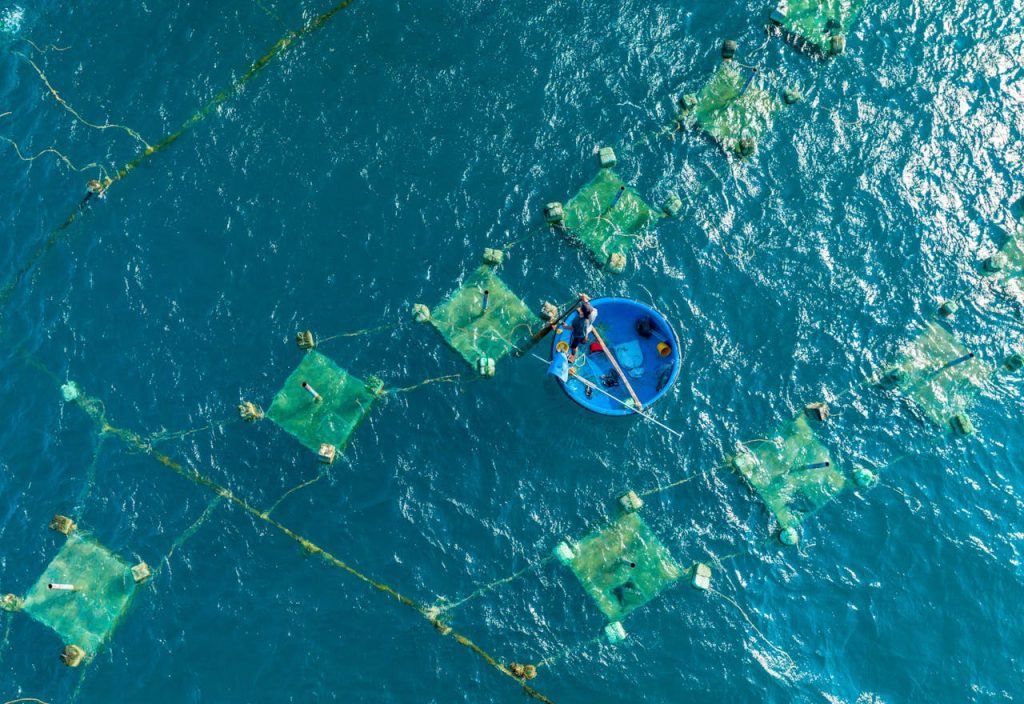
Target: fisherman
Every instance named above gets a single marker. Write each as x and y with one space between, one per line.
582 325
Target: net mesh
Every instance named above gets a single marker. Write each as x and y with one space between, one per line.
732 106
603 566
793 473
602 229
814 22
934 372
103 589
345 401
506 325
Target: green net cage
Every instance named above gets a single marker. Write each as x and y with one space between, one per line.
939 374
103 589
819 25
607 217
623 566
484 335
732 108
792 472
330 416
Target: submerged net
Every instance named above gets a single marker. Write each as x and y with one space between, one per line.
506 325
345 401
603 561
793 473
732 106
605 229
814 22
103 589
938 373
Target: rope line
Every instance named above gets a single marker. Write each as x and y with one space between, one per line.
280 47
364 331
297 487
192 529
67 106
448 378
46 48
444 606
777 649
51 150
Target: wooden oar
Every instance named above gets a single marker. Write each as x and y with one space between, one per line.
615 364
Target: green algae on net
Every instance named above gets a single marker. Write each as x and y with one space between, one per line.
817 26
82 595
940 375
732 108
322 404
607 216
793 473
277 49
621 566
483 319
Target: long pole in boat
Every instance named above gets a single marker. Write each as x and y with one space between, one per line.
615 363
622 403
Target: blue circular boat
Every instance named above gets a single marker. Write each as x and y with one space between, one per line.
638 338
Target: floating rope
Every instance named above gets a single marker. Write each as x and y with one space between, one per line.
67 106
90 479
444 606
358 333
448 378
673 485
297 487
777 649
191 530
281 46
50 150
46 48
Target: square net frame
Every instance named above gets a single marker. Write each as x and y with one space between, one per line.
814 22
104 588
346 400
732 106
604 230
939 390
602 565
790 474
506 326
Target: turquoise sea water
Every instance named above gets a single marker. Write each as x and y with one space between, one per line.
365 170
